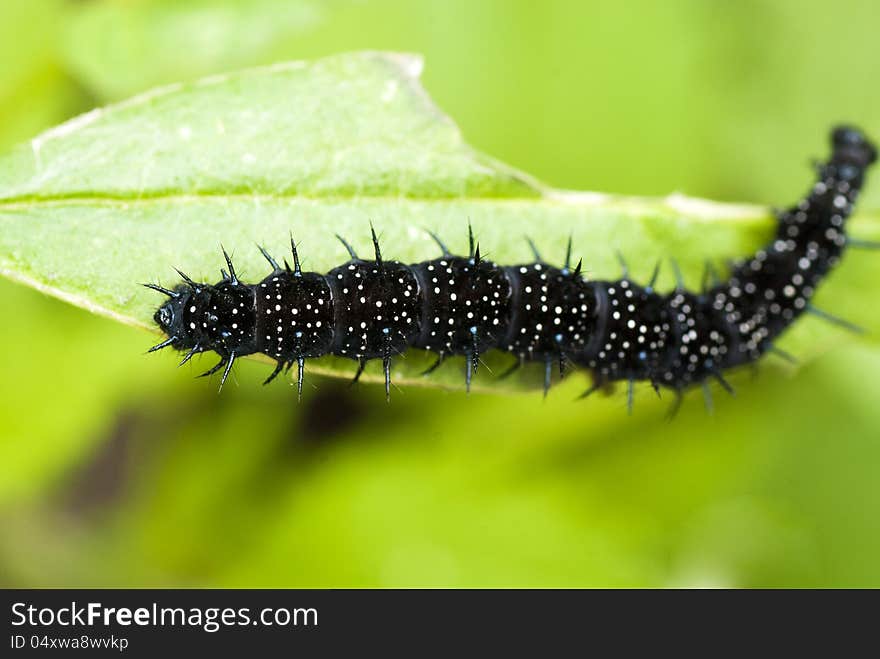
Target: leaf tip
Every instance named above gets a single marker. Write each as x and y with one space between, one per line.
410 64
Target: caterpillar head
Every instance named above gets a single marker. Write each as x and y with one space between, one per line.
169 316
203 317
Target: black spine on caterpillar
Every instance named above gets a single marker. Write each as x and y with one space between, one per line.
466 305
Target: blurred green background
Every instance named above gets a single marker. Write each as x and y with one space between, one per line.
117 469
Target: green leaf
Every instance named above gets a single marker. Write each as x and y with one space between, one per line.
120 195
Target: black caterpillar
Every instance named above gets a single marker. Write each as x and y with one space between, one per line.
456 305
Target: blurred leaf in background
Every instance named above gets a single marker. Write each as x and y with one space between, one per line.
35 89
122 48
117 470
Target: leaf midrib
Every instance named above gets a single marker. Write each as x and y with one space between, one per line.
711 211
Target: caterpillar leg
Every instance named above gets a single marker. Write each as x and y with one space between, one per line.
676 405
274 374
214 369
362 364
520 360
433 367
592 389
724 383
